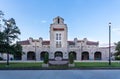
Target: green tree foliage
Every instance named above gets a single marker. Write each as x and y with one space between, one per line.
17 51
117 57
8 36
117 48
117 53
71 58
46 58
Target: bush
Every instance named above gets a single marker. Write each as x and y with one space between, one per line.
46 58
71 58
117 57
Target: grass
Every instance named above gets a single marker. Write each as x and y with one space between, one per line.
38 65
96 65
23 65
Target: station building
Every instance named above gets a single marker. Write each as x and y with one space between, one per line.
59 45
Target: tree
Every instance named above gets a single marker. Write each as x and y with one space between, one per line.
1 20
117 48
1 33
71 58
46 59
117 53
17 51
8 35
11 33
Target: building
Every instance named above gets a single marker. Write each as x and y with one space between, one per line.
59 45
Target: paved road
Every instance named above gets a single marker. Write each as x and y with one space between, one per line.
60 74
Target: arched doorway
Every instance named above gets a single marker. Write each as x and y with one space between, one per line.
31 55
42 55
85 56
74 54
58 54
97 56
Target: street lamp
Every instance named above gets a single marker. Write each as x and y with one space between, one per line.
109 43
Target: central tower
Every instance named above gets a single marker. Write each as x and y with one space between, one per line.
58 38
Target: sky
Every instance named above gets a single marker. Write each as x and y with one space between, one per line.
84 18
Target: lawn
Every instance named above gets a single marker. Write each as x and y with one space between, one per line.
23 65
38 65
96 65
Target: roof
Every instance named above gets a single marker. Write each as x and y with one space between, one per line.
71 42
46 43
25 42
35 40
80 41
107 47
91 43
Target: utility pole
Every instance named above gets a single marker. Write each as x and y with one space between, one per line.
109 43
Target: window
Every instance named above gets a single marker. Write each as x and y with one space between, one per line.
56 36
58 20
58 44
59 36
58 40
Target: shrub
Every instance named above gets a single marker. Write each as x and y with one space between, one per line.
46 58
71 58
117 57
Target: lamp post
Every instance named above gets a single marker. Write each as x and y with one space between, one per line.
109 43
35 50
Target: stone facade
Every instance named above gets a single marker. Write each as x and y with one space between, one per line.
60 46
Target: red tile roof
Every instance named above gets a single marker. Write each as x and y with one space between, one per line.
91 43
80 41
71 42
25 42
46 43
35 40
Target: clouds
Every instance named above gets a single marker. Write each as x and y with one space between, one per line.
43 21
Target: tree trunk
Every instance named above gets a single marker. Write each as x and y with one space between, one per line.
7 58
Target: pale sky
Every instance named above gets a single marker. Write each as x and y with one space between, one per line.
85 18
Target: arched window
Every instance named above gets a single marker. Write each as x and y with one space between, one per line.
42 55
74 54
31 55
97 56
85 56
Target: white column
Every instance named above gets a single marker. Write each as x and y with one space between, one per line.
37 55
24 57
78 55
